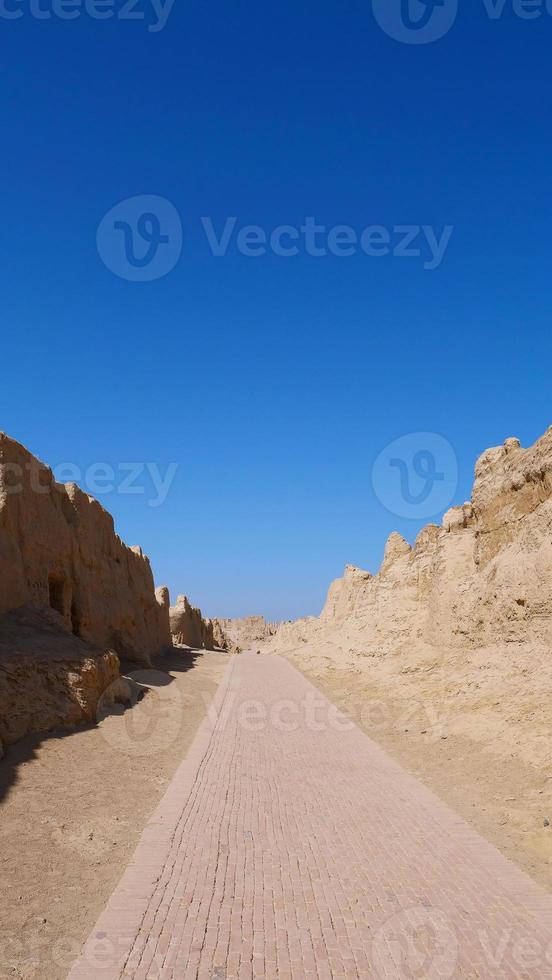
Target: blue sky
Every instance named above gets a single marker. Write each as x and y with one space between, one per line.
273 382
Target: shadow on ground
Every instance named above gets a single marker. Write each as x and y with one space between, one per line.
24 750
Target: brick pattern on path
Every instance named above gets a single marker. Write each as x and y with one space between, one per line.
289 845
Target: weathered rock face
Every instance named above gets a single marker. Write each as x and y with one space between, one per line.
242 634
189 627
163 600
59 549
48 678
221 640
483 578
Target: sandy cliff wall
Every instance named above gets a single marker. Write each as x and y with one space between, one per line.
247 632
49 678
483 577
59 549
189 627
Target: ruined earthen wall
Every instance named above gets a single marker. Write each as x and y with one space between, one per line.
59 549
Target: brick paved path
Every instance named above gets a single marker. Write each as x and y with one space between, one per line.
289 845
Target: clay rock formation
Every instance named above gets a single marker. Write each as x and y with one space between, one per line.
59 550
163 599
483 578
49 678
242 634
188 627
343 594
221 639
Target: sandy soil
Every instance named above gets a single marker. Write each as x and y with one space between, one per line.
73 805
484 752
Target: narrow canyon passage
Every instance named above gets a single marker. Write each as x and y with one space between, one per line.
290 845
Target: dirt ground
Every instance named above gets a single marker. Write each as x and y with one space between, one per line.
486 777
73 806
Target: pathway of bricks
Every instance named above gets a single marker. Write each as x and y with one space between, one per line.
289 845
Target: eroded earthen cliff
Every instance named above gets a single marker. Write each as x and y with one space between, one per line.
189 627
59 549
49 678
483 577
73 599
247 632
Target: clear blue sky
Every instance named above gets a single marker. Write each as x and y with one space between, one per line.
273 382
